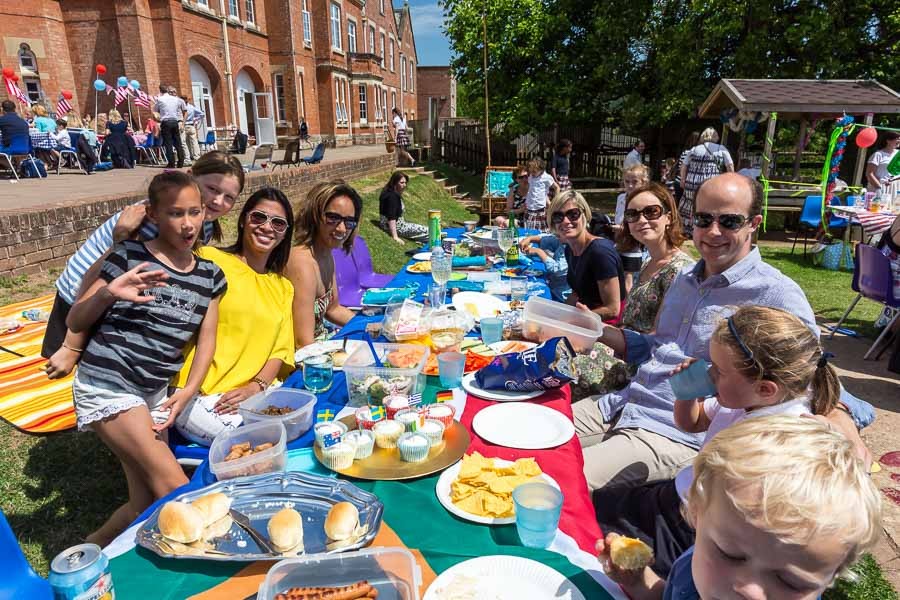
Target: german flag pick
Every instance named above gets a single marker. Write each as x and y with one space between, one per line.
443 396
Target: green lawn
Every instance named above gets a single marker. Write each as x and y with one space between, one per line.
56 489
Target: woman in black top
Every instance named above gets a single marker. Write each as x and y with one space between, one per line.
390 207
595 271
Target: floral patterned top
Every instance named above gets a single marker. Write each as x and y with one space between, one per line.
646 297
320 305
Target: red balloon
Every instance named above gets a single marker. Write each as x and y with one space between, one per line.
15 78
67 94
101 69
866 137
8 72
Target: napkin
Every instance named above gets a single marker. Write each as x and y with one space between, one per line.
469 261
384 295
467 286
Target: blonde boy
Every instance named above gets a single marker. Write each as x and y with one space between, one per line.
782 507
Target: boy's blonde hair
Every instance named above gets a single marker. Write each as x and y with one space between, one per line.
535 164
639 171
782 349
804 481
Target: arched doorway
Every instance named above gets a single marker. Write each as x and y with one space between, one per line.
245 90
202 92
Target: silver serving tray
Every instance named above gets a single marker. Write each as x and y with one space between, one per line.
258 498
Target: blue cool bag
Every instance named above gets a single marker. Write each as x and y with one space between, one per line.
33 168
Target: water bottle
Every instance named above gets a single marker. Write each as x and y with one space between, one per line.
441 265
33 314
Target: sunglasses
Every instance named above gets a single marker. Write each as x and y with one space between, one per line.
258 217
651 213
522 176
728 221
573 214
333 219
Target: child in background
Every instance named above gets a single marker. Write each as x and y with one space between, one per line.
150 300
782 507
667 174
764 361
632 178
541 187
552 253
61 138
560 167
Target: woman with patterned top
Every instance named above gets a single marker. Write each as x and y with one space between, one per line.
515 198
651 219
325 220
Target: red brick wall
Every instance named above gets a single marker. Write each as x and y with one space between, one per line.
37 240
434 82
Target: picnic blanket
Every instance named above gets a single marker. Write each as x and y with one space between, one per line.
28 400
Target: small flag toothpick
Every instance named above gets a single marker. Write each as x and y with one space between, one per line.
443 396
326 414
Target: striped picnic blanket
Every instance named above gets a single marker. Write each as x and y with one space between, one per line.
28 400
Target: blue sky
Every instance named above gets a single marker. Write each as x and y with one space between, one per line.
432 47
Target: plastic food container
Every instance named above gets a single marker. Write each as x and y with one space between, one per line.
368 384
544 319
296 423
267 461
392 571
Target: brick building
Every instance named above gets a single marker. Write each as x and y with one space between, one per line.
258 65
436 94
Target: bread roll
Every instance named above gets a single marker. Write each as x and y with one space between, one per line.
286 529
342 521
180 522
630 553
213 506
219 528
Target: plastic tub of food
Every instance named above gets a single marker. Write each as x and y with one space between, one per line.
401 372
391 571
544 319
297 407
229 443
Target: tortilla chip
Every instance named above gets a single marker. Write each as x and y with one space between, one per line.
486 490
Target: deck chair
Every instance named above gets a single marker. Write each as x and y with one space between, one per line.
496 187
291 155
19 145
19 579
261 153
316 157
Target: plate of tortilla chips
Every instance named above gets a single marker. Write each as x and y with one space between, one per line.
480 489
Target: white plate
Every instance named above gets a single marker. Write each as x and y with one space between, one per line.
523 425
501 347
485 304
507 578
442 489
471 385
329 347
422 256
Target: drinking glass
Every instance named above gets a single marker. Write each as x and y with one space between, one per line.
318 373
436 294
441 268
505 240
450 368
537 513
491 330
518 289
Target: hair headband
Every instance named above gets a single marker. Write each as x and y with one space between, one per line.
740 342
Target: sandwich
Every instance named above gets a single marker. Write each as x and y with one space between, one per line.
181 522
286 531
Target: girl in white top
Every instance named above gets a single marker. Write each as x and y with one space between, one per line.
401 137
541 188
876 168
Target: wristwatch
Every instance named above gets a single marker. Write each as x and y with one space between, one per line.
262 383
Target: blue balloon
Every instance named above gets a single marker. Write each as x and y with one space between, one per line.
122 81
136 84
100 85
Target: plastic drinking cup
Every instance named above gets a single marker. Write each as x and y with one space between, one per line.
518 289
693 382
318 373
450 368
537 513
491 330
437 294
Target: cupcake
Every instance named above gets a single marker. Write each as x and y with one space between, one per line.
340 456
411 418
394 403
364 418
328 427
413 447
433 430
364 440
441 412
387 433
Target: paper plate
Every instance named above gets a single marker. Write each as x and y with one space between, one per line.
523 425
471 386
483 305
329 347
422 255
503 577
442 490
509 346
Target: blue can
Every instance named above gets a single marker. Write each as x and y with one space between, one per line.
81 573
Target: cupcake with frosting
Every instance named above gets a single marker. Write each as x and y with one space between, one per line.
433 430
387 433
364 440
413 446
410 418
328 427
441 412
394 403
340 456
364 419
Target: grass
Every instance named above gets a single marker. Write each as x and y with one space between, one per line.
56 489
18 288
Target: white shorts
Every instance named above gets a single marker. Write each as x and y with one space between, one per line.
93 402
200 424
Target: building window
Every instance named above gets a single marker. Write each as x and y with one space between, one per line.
307 25
351 36
392 54
344 89
393 99
251 11
26 58
363 109
402 73
302 95
33 88
203 3
412 75
382 6
336 26
382 50
30 77
233 8
278 84
384 103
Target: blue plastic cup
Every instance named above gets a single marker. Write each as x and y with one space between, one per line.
491 330
537 513
693 382
450 368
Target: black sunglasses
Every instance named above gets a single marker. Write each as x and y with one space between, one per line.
727 221
333 219
651 213
573 214
258 217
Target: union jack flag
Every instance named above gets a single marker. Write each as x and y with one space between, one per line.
144 99
122 93
63 107
15 92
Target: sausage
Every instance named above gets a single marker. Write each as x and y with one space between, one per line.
354 591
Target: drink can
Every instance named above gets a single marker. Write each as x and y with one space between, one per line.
449 245
81 573
434 227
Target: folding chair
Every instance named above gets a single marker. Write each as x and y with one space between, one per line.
316 157
210 142
146 149
262 153
811 219
19 579
19 145
71 151
291 155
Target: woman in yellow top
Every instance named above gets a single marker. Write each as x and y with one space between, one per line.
255 335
